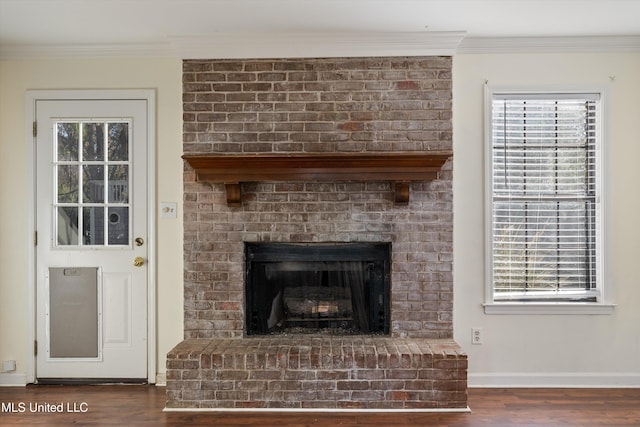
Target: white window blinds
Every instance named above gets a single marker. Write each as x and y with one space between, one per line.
544 197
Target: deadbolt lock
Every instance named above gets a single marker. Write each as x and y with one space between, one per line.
138 261
139 241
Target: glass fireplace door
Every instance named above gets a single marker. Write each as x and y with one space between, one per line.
334 289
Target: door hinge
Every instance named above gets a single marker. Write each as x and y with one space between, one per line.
35 238
35 129
35 347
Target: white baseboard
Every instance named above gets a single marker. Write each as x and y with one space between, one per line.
554 380
506 380
322 410
161 379
10 379
20 380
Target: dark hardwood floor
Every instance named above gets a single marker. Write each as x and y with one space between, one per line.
136 405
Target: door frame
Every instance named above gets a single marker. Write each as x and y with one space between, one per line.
148 95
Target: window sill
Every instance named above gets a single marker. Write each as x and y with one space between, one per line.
548 308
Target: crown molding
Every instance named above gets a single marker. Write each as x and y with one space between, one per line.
258 45
87 51
316 45
550 44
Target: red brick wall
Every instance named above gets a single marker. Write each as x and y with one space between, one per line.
318 105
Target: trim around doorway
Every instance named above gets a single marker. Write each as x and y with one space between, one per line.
149 95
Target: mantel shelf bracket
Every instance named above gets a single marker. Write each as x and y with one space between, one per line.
399 168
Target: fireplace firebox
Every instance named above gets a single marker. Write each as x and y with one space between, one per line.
341 288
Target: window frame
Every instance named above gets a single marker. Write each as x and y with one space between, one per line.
603 304
106 204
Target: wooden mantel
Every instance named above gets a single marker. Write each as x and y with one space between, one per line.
399 168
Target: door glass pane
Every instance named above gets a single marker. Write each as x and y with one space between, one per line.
67 225
68 184
92 168
68 141
93 187
93 225
118 142
118 226
93 141
118 184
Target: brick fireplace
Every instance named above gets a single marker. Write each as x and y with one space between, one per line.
317 106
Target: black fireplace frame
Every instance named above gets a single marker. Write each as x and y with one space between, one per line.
377 276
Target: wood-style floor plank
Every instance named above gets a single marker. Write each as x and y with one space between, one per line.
135 405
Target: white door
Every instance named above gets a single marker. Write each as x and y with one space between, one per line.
92 243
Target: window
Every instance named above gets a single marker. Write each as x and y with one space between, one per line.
545 213
92 183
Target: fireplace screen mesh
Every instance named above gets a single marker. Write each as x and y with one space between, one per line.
335 289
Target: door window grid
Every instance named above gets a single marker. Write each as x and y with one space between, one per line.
92 182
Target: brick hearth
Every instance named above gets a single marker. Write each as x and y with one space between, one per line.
317 371
318 106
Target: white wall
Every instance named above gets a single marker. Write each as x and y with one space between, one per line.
16 77
549 349
538 350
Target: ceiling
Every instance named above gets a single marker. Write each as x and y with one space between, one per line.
162 26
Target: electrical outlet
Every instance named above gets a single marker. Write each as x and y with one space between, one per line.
476 336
